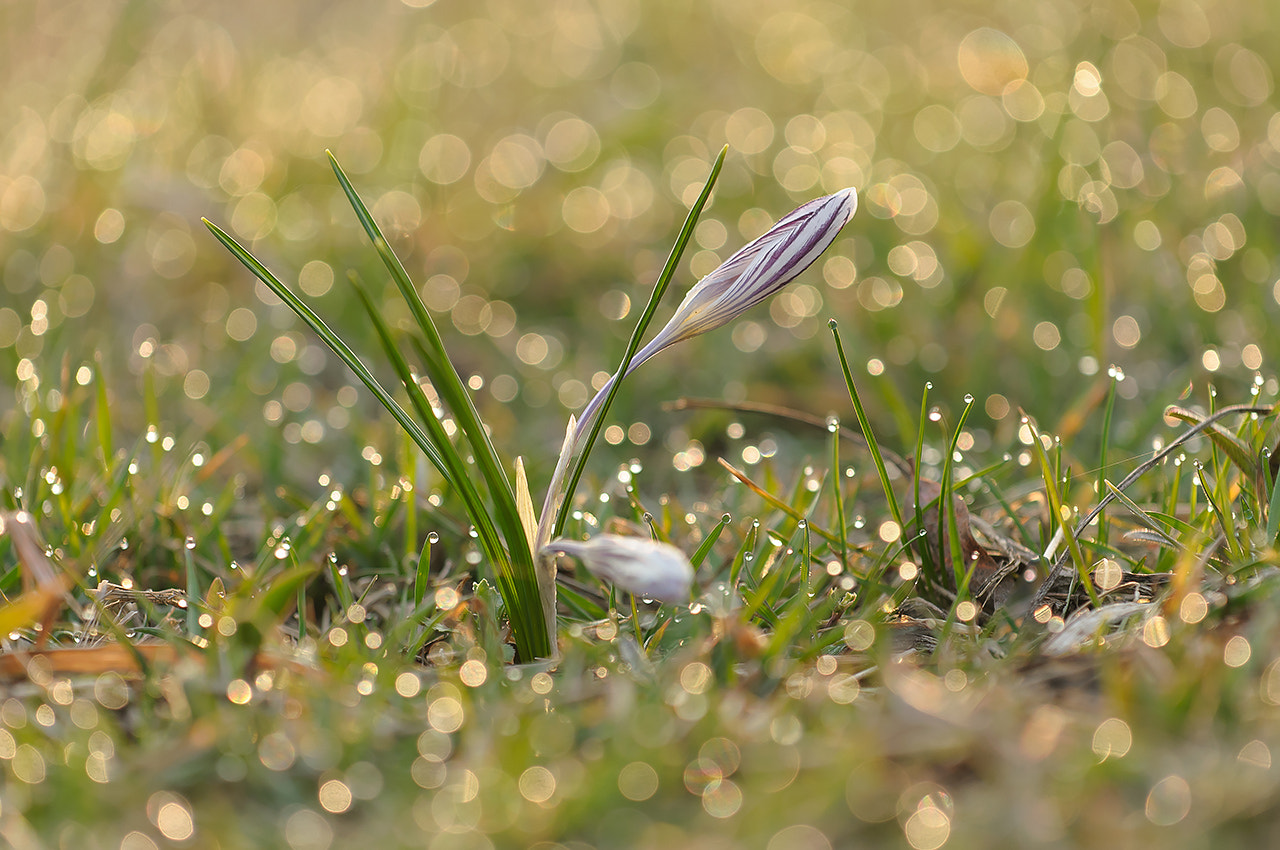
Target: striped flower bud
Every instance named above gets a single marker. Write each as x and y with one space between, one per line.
759 269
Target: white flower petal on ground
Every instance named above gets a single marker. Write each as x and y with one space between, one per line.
647 568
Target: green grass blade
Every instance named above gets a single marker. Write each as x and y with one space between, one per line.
962 571
837 493
659 289
867 433
333 341
103 412
439 367
1100 488
704 548
1056 506
455 470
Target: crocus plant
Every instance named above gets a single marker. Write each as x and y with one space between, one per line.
521 546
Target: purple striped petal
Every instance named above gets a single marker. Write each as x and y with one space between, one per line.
753 273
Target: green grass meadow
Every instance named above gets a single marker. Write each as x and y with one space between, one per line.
242 607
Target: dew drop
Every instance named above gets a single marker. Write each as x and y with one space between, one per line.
832 323
935 414
833 424
726 517
124 543
647 517
968 398
190 542
433 537
804 523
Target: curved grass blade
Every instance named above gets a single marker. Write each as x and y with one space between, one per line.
444 377
333 341
872 445
1234 447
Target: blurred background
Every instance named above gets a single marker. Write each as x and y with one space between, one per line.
1047 188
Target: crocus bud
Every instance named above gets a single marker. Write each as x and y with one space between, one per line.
647 568
759 269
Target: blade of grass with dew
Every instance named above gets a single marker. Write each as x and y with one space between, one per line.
837 492
1224 521
704 548
659 290
961 571
1056 506
1107 413
929 568
746 552
780 504
865 424
513 565
422 574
